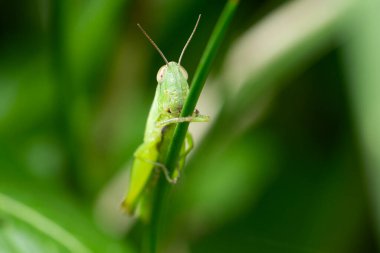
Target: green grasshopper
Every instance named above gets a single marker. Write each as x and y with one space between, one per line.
171 93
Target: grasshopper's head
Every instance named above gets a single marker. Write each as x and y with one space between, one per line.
171 70
172 81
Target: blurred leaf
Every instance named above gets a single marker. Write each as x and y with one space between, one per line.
44 229
260 59
363 69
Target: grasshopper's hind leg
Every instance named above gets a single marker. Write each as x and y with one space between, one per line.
183 155
181 162
190 143
162 167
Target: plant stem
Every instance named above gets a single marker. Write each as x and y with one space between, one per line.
171 147
199 80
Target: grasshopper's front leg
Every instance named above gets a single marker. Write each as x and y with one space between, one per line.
196 117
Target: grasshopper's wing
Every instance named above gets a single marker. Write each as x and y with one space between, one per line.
145 157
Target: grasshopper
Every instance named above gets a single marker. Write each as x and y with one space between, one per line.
171 93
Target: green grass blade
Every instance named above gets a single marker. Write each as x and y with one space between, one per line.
363 69
42 224
199 81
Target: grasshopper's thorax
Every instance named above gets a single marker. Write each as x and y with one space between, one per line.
173 87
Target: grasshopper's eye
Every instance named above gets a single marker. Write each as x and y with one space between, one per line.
184 72
161 73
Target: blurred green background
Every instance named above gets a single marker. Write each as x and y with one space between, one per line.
290 161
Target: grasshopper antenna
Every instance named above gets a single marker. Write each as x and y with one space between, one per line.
188 41
154 44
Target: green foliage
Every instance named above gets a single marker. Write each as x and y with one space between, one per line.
288 163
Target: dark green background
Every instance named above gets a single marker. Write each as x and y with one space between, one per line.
76 82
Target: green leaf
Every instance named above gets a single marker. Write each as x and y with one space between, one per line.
41 227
